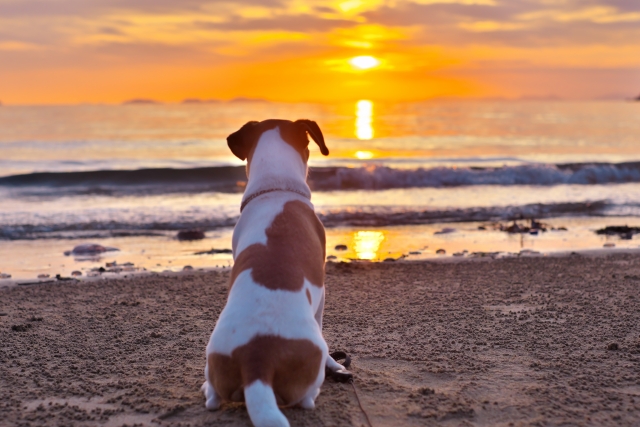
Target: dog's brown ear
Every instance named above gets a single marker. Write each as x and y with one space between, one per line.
316 134
241 141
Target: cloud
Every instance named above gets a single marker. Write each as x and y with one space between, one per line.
515 23
35 8
293 23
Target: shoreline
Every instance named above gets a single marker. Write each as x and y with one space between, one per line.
513 341
27 259
482 257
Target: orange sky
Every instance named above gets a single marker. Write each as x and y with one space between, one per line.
107 51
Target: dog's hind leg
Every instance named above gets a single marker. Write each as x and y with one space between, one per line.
320 310
213 401
262 406
331 364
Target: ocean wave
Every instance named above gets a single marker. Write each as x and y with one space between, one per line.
141 181
382 177
359 217
231 178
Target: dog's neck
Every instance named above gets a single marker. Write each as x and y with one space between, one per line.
275 165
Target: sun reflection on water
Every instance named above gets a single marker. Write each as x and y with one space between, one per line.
364 119
367 244
364 155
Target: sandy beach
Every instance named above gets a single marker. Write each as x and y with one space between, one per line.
544 341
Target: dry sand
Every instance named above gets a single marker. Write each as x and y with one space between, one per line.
527 341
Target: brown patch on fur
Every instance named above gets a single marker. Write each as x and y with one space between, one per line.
295 250
289 366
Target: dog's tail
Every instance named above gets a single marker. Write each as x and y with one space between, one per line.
262 406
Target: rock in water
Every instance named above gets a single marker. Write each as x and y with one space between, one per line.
214 251
446 230
623 231
89 249
190 235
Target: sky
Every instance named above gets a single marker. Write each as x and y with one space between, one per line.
107 51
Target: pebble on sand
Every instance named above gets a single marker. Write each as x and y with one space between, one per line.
5 276
609 245
341 247
43 276
187 268
441 252
332 257
529 252
76 273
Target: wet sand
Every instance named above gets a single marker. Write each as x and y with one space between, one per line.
509 342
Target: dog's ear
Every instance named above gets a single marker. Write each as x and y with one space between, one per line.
241 141
316 134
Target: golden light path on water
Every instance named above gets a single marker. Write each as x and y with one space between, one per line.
364 119
367 243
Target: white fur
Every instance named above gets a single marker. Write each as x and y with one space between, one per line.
253 309
262 407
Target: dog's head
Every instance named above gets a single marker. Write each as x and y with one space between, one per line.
243 141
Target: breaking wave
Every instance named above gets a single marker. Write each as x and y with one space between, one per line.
381 177
231 178
369 217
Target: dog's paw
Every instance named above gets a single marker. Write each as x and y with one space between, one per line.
333 366
212 399
308 403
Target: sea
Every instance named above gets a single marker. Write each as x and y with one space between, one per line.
403 181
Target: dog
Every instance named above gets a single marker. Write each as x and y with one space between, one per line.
267 347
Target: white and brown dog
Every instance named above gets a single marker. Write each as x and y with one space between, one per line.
267 347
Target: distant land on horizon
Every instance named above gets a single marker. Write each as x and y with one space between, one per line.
200 101
241 99
149 101
141 101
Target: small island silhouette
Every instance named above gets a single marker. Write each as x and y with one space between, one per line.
140 101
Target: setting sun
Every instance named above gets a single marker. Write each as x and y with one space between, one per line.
364 62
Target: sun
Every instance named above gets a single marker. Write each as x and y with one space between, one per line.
364 62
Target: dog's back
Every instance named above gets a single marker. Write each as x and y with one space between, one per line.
267 347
